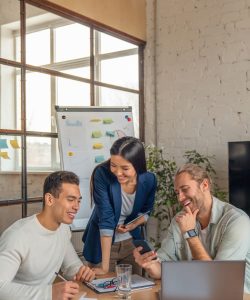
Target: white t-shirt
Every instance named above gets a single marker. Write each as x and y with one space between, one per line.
30 255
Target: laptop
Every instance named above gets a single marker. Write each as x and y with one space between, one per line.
202 280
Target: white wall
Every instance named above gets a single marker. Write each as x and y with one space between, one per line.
202 76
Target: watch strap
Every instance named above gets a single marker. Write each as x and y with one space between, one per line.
189 234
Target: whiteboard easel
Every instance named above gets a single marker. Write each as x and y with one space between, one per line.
85 136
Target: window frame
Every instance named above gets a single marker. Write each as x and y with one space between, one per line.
94 27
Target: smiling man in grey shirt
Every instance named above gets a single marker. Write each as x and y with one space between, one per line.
205 229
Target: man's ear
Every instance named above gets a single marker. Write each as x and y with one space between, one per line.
48 199
205 186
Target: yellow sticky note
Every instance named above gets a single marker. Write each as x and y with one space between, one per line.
97 146
70 153
95 120
4 155
14 144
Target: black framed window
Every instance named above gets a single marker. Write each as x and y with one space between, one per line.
50 56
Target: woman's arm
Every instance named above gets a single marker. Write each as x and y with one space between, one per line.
106 242
105 217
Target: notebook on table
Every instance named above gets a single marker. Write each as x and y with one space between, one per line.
107 285
202 280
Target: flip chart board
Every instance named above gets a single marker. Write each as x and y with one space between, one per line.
85 136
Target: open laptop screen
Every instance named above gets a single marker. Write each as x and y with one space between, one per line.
202 280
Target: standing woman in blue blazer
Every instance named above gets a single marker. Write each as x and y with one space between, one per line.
122 189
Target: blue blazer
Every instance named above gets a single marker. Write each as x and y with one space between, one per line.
107 210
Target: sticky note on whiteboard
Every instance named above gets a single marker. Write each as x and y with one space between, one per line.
96 134
97 146
107 121
99 159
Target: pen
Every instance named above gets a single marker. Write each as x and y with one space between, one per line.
60 276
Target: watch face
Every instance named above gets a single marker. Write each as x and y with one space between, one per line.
192 233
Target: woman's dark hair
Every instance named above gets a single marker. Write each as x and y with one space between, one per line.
131 149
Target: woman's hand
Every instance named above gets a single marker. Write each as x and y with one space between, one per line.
100 271
125 228
84 274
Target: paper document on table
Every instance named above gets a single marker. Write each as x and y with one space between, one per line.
107 285
138 282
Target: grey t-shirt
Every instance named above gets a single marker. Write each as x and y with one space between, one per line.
128 201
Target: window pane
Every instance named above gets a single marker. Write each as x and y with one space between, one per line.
110 97
38 48
10 167
10 98
42 154
7 218
38 102
39 25
121 71
10 154
112 44
72 93
35 185
81 72
72 42
10 29
35 207
7 193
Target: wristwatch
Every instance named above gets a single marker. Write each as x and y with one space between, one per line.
189 234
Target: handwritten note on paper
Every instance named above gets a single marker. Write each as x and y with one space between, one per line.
3 144
4 155
14 144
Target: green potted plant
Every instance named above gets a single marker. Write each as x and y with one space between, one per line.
166 204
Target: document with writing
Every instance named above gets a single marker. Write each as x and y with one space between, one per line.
107 285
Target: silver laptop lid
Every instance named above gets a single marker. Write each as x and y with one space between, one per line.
202 280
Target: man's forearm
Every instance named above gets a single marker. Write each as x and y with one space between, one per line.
197 249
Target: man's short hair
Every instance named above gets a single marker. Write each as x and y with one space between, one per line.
196 172
53 182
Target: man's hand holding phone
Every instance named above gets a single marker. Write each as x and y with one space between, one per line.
144 253
146 257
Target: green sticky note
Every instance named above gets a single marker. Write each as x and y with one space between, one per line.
96 134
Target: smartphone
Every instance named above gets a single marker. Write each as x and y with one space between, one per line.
146 247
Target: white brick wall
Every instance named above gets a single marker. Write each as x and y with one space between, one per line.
202 77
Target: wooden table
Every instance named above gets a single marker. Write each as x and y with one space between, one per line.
145 294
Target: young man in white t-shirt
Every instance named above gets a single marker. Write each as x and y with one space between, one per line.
33 249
